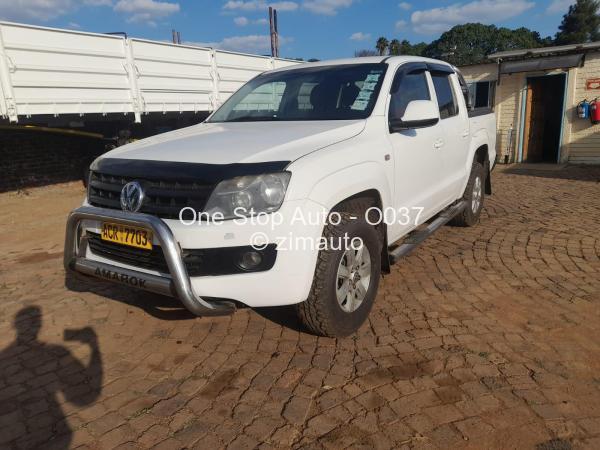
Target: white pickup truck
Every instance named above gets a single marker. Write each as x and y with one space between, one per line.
302 188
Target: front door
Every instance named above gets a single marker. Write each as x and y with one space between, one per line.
416 153
543 118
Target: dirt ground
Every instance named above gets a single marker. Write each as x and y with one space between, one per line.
487 337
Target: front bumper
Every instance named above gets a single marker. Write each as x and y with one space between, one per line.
177 284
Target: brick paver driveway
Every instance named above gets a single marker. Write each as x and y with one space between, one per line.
487 337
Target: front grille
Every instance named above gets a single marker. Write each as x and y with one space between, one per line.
146 259
198 262
163 198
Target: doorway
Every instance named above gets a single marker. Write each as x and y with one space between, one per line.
543 118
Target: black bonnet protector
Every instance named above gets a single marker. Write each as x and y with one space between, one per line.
183 172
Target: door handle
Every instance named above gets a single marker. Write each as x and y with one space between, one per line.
465 133
438 144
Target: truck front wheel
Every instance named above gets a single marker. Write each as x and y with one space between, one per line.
346 276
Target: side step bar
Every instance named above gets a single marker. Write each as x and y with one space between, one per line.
415 238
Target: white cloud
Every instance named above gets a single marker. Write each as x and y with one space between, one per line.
405 6
438 20
559 6
256 5
241 21
360 36
43 10
146 11
255 43
35 10
326 7
98 2
400 25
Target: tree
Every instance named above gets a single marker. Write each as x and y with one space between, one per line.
472 42
381 45
406 48
394 47
363 53
580 24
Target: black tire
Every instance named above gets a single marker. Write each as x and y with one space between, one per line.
470 215
321 313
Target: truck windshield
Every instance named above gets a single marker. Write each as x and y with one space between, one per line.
341 92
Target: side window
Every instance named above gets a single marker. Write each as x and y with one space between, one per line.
445 95
410 86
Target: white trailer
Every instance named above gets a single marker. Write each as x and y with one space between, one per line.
49 71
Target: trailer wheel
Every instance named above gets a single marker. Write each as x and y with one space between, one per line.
473 196
346 279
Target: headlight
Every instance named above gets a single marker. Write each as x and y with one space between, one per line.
247 195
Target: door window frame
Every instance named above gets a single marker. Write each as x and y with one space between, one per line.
451 83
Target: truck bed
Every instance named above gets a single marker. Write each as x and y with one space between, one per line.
49 71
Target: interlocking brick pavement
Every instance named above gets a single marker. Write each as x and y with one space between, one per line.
486 337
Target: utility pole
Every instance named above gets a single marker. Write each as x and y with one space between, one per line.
176 36
274 32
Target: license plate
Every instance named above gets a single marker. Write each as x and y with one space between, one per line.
127 235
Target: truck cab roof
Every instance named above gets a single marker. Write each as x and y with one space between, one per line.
391 60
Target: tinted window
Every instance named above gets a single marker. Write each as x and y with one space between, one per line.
343 92
412 86
445 95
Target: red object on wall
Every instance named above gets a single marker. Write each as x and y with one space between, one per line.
595 111
592 83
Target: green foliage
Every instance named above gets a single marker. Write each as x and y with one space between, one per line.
363 53
472 42
580 24
406 48
382 45
467 44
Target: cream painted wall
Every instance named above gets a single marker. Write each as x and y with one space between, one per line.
581 139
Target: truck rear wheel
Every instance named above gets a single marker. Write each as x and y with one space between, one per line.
346 276
473 196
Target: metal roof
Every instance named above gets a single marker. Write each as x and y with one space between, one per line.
545 50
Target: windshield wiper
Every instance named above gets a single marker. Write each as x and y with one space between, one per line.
254 119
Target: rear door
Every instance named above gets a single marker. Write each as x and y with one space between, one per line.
454 122
417 160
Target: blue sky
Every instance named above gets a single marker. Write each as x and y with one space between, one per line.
308 28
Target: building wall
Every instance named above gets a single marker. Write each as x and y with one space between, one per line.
508 101
584 139
508 112
581 140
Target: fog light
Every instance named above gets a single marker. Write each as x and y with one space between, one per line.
250 260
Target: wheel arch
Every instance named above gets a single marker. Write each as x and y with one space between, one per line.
482 156
374 197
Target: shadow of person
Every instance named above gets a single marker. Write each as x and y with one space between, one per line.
32 373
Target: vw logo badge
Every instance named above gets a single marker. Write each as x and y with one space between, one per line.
132 197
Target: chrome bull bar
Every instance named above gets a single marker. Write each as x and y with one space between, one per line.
177 285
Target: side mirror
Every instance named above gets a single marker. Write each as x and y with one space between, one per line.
418 114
